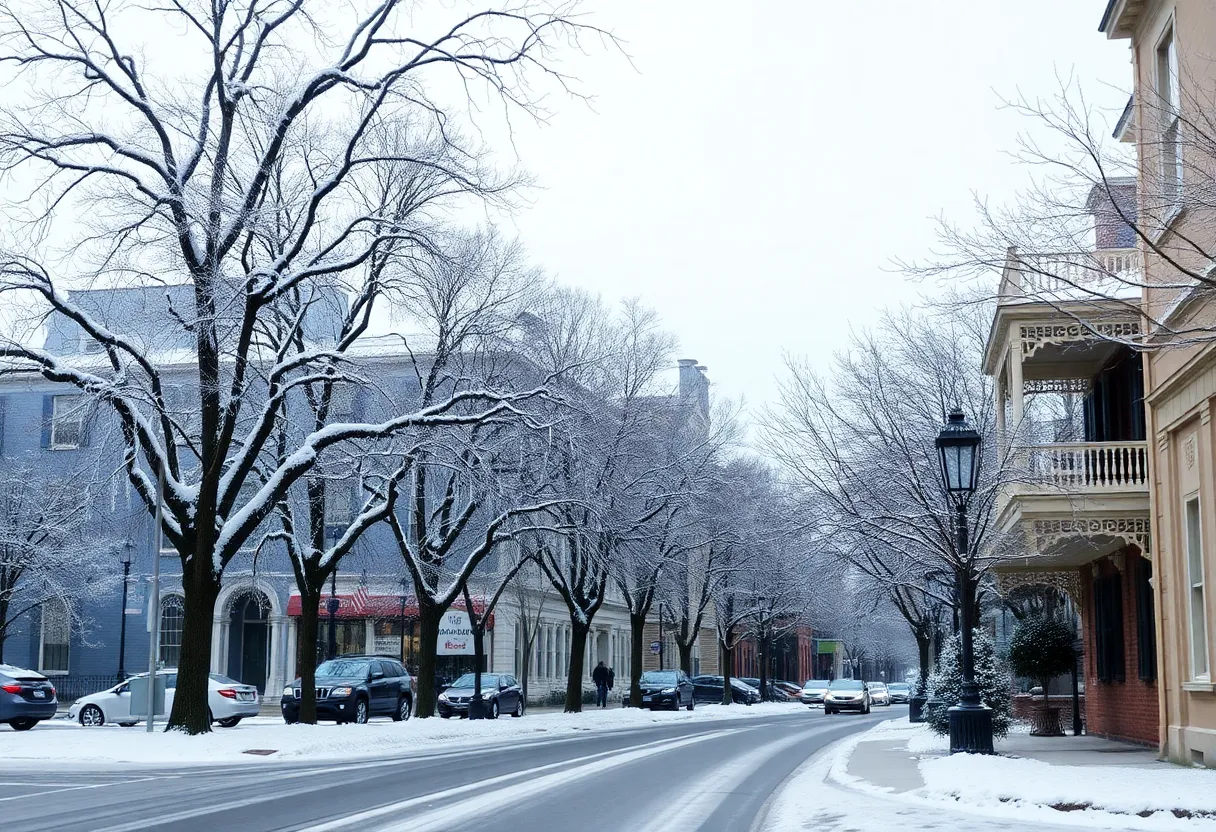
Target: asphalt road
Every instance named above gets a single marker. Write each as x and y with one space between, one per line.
702 775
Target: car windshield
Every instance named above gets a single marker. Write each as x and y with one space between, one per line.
220 678
816 683
897 686
846 684
344 668
878 685
658 677
488 681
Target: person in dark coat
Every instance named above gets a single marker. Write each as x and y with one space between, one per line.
600 677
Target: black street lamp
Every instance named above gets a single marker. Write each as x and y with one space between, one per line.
128 549
959 447
332 606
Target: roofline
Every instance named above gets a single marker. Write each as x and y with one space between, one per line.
1125 119
1106 16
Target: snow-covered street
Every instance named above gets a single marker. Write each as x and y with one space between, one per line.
60 742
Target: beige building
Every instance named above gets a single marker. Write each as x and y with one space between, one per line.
1172 43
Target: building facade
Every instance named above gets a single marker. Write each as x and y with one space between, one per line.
1070 417
1170 116
256 618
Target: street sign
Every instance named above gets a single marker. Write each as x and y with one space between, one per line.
656 647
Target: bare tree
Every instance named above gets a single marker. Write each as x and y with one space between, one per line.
53 556
266 125
858 446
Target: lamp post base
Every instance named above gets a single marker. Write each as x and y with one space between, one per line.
970 729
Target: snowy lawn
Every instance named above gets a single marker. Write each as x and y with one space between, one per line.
1126 790
62 742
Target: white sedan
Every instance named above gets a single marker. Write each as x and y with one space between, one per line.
229 700
878 693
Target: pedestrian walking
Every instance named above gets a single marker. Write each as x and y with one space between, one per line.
600 677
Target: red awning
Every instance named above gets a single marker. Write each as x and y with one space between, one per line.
371 606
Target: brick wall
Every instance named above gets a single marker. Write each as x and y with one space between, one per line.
1124 710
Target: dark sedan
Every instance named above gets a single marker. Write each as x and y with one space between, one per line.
709 689
666 689
502 694
26 697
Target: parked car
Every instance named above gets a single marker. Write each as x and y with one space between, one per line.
501 692
667 689
878 693
791 690
847 695
775 693
354 688
229 702
813 691
900 692
26 697
709 689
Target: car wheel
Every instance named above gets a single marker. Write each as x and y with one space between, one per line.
126 725
447 715
290 720
404 708
692 703
92 717
361 712
519 708
23 724
494 709
229 722
828 712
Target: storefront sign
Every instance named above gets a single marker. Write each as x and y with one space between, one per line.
387 645
455 634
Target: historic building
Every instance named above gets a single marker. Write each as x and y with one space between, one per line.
1070 415
1169 119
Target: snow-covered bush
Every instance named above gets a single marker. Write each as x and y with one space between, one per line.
946 683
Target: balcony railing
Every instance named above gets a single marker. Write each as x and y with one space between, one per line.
1082 275
1091 466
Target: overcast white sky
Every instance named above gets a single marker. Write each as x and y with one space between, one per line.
753 177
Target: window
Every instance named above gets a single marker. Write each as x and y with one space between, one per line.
1194 560
339 504
341 403
67 422
1108 628
172 617
1168 97
1146 625
56 633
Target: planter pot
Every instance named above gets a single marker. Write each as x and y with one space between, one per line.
916 708
1046 722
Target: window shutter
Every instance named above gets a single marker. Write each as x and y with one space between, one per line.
48 411
1146 624
1118 654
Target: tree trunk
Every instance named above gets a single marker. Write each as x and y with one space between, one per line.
4 624
685 657
764 658
430 615
191 712
727 695
310 605
637 625
525 667
924 643
478 657
574 681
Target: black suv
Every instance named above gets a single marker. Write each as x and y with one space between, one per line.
354 689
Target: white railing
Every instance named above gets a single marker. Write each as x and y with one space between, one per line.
1091 466
1067 274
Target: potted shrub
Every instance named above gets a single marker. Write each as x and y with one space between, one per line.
1041 649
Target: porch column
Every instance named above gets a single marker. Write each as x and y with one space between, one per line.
999 389
1016 385
274 676
219 644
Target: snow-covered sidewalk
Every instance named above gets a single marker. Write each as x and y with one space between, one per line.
65 743
908 764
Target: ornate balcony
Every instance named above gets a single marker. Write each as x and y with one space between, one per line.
1071 276
1080 468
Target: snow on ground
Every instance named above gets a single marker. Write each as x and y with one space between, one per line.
995 779
62 742
1021 790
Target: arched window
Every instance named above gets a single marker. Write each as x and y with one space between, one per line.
172 617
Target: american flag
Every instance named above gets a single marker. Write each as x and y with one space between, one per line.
361 600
